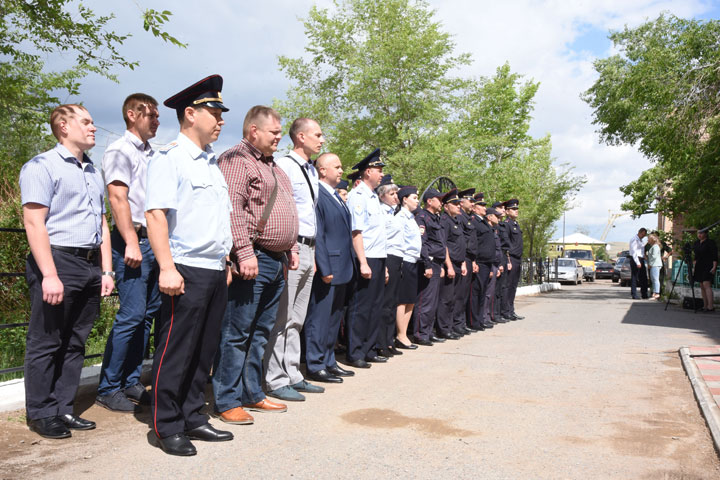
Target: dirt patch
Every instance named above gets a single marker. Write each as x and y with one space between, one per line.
382 418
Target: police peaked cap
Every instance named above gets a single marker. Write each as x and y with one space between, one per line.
405 191
492 211
512 203
479 199
205 93
342 185
451 196
372 160
353 176
467 193
498 204
431 193
386 180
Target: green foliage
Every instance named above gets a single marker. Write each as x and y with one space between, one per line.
601 253
381 74
661 94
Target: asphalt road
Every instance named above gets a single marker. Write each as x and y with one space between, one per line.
588 386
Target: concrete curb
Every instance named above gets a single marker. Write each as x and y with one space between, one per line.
537 289
705 399
12 392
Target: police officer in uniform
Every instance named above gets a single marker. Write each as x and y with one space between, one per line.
455 266
515 250
430 268
493 217
461 312
501 287
484 259
187 208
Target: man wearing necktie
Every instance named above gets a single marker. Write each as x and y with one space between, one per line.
333 256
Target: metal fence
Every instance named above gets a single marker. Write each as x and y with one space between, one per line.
538 270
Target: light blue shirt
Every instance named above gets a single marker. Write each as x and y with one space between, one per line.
368 218
187 181
412 238
393 231
292 165
72 191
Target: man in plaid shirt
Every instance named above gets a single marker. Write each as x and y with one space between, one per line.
261 251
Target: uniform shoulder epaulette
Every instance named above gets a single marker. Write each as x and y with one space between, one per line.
168 147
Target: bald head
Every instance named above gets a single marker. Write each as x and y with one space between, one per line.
329 168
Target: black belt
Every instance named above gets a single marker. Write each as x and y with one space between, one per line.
274 255
439 261
310 242
89 254
141 231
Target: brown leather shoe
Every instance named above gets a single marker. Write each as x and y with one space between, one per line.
236 416
267 406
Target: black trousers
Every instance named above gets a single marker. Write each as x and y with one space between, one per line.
462 294
363 319
55 346
511 285
189 337
427 303
500 291
446 307
476 303
388 327
638 278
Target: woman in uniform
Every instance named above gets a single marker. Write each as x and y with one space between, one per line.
387 193
411 244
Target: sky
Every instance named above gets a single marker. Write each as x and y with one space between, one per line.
552 42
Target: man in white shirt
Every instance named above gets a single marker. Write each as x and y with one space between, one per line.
283 379
637 266
125 170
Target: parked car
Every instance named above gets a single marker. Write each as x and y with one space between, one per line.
616 269
603 270
585 257
625 273
568 270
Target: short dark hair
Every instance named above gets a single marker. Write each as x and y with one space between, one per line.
299 125
642 230
134 102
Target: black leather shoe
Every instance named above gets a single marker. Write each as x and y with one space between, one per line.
435 339
460 332
376 359
386 352
324 376
49 427
208 433
138 394
517 317
470 330
338 371
178 444
501 320
449 336
402 346
394 350
488 325
424 343
360 363
74 422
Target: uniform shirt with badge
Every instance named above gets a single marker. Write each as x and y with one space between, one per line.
455 237
412 239
433 238
393 231
369 219
470 235
125 160
186 180
72 191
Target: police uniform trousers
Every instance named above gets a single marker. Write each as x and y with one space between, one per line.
322 324
189 336
489 307
363 321
55 348
511 285
500 291
462 293
445 312
480 282
388 327
427 303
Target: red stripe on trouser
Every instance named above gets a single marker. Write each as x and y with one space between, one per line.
157 377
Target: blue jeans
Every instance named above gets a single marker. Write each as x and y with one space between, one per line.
139 305
655 278
249 318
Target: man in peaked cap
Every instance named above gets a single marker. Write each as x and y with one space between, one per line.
493 217
455 266
500 288
515 250
484 259
430 268
461 311
354 178
368 237
187 209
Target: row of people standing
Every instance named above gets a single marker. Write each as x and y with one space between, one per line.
244 256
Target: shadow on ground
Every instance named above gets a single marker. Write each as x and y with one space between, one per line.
652 313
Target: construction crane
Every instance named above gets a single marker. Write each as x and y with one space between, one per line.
611 222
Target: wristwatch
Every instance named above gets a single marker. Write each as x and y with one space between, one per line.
109 274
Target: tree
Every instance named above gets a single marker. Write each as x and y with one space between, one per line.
380 74
660 92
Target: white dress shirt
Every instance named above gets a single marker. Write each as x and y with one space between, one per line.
637 249
292 165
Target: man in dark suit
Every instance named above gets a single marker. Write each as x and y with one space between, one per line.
333 258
